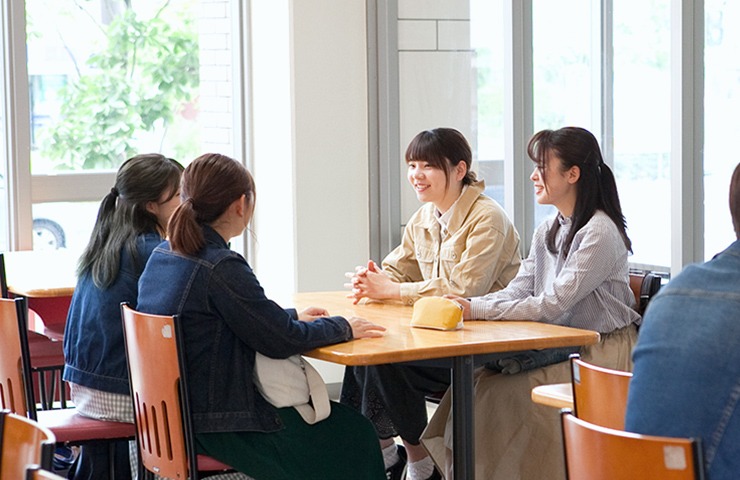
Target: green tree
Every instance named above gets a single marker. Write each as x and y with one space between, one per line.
144 74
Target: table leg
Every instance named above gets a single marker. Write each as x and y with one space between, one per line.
462 418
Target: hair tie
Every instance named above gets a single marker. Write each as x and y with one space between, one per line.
114 191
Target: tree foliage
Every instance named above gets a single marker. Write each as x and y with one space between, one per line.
144 74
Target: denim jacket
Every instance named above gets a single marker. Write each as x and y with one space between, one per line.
94 351
686 379
226 318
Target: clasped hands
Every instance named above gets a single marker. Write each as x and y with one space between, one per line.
371 282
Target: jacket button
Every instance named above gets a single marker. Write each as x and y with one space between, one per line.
454 255
418 254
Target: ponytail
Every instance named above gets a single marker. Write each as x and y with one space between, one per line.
186 236
123 216
210 184
596 186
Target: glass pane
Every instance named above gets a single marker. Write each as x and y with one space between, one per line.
642 125
486 38
111 78
562 75
721 103
65 225
4 225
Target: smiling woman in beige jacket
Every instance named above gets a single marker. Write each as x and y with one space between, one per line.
459 242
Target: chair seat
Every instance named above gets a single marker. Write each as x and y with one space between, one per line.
70 426
210 464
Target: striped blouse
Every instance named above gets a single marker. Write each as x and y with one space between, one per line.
588 288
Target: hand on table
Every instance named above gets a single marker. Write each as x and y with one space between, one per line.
362 328
464 302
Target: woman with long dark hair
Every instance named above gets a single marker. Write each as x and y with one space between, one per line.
576 275
131 221
226 320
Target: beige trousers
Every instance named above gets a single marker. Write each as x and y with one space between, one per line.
515 438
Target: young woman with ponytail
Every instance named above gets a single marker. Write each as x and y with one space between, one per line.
132 220
226 319
576 275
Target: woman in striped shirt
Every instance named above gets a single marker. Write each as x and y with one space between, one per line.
576 275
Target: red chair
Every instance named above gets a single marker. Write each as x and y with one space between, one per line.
16 390
162 407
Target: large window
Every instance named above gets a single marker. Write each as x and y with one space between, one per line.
642 125
611 66
721 104
109 79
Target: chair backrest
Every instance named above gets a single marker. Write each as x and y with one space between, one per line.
164 432
644 286
23 442
599 394
35 472
594 452
3 278
15 374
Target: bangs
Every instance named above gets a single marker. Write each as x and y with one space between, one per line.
424 148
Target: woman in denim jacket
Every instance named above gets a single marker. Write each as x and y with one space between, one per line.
576 275
226 320
132 220
459 242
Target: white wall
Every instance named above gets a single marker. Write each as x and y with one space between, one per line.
330 140
310 149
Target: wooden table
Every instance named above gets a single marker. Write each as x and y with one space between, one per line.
402 343
558 395
47 279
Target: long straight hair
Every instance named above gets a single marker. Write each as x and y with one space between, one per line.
210 184
596 188
123 216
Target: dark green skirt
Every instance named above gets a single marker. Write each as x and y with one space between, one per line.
343 446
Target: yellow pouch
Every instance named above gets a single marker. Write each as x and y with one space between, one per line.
438 313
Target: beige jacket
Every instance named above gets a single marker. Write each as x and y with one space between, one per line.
478 255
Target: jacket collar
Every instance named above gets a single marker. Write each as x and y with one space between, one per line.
214 238
464 204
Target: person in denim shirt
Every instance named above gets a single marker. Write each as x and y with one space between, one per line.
686 380
132 220
227 319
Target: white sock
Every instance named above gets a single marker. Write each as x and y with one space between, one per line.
421 470
390 455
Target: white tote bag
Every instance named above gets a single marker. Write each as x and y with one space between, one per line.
292 382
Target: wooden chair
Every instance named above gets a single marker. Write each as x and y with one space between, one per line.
35 472
644 286
23 442
162 409
594 452
599 394
16 390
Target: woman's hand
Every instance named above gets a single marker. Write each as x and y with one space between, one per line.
371 282
464 302
362 328
312 313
